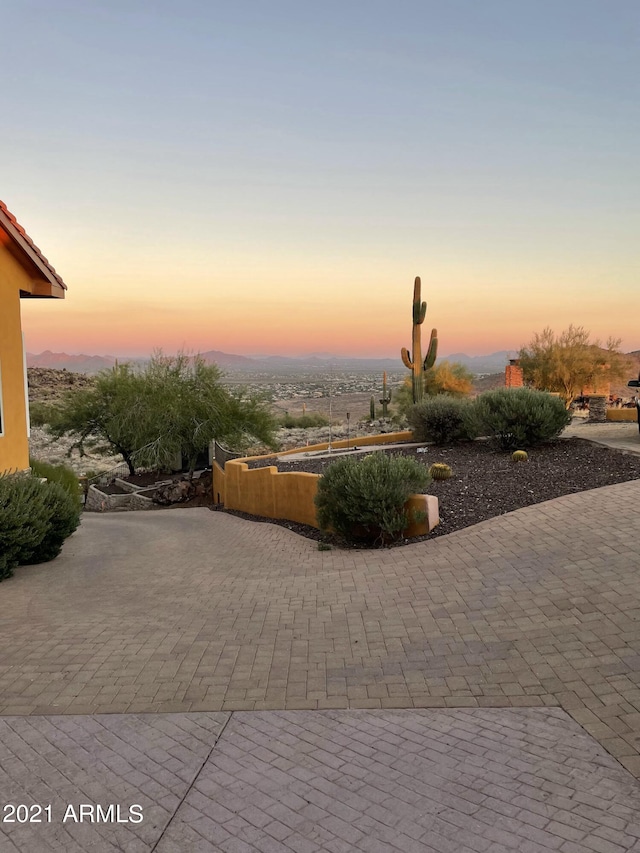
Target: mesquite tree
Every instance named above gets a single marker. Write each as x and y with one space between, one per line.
175 405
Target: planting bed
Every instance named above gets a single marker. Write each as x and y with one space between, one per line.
486 482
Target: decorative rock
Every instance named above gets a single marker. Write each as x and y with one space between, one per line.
174 493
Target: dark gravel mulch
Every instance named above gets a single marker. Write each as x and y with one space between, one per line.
486 482
112 489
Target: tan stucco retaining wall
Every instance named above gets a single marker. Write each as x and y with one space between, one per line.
268 493
622 415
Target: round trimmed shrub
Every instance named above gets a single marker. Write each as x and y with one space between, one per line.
35 519
520 417
364 499
64 517
24 520
442 419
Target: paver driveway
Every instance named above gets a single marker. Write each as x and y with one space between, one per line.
192 610
199 612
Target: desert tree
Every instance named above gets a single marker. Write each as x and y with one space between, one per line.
105 418
568 362
174 406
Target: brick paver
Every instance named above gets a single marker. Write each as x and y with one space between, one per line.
189 610
416 781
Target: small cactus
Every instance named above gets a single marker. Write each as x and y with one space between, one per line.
386 395
519 455
440 471
372 408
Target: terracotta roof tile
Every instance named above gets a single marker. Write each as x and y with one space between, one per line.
36 251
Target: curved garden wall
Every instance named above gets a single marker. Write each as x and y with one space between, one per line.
268 493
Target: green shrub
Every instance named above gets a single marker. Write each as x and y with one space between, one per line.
35 519
520 417
442 419
303 422
41 413
64 518
23 520
60 474
363 499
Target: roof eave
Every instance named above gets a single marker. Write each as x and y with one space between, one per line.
43 290
51 285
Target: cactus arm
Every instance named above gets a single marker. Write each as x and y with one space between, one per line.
419 308
432 352
405 358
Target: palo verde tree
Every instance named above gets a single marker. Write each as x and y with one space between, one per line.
567 362
173 406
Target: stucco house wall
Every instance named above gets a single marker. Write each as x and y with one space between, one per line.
24 273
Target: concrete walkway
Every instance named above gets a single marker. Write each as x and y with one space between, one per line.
619 436
495 673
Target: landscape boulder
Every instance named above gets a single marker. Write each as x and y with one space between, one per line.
174 493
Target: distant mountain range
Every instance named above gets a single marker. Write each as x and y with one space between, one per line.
74 363
96 363
481 364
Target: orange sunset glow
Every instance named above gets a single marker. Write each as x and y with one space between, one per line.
339 314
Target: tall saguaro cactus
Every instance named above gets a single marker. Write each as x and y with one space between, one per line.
416 365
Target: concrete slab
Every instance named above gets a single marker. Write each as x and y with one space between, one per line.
618 436
58 770
528 780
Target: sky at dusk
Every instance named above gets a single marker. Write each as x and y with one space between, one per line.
269 177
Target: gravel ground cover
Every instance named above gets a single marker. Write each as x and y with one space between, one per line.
486 482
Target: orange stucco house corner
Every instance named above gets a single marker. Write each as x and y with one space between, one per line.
25 273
